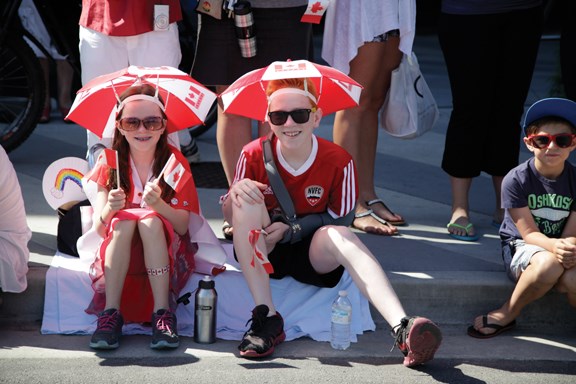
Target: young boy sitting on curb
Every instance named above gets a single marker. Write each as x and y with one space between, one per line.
539 229
317 247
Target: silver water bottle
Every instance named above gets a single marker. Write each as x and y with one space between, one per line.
245 31
206 301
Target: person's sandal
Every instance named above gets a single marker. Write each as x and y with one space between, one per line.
227 231
397 223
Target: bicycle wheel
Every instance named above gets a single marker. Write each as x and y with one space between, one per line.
21 92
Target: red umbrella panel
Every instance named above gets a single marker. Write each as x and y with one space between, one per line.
247 95
187 101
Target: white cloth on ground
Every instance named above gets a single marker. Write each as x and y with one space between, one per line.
306 309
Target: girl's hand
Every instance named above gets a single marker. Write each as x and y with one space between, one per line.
247 190
152 193
116 199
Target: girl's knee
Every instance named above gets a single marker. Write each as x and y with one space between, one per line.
150 225
125 226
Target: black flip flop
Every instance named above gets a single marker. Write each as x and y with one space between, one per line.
498 329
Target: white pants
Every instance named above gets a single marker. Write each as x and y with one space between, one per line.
101 54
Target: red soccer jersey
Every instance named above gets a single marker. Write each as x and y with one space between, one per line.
325 183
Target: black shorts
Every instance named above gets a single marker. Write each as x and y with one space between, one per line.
279 36
293 260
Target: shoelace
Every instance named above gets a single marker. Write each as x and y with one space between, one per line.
257 322
165 322
398 334
108 322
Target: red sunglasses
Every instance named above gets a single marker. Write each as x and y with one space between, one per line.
542 140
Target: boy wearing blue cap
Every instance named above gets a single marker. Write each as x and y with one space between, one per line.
538 233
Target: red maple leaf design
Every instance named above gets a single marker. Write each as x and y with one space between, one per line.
176 177
316 7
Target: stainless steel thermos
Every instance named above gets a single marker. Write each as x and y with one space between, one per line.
245 32
206 301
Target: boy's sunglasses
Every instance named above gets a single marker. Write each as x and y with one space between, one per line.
152 123
542 141
300 116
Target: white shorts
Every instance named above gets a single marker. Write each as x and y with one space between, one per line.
101 54
517 255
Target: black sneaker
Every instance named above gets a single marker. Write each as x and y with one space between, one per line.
108 331
418 339
191 151
264 333
164 330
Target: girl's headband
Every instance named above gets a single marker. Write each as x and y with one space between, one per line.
153 99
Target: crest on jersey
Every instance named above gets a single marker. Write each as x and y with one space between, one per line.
314 194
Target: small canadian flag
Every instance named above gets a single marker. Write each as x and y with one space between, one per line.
109 157
175 175
315 11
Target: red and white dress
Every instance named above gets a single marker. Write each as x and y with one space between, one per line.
137 302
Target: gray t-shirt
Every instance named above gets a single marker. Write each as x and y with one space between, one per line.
550 201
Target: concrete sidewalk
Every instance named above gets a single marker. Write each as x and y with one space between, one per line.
446 280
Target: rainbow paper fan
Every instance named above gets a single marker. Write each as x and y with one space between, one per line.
62 181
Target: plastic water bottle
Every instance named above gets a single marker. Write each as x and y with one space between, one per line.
341 318
206 300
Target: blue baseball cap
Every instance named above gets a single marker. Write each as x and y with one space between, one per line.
553 106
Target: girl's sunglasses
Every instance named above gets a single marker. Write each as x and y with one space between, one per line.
542 141
300 116
152 123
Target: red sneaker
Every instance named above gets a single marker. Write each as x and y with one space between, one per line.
418 339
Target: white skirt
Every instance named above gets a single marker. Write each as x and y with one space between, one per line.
350 24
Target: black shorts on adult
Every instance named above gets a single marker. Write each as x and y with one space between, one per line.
294 260
279 36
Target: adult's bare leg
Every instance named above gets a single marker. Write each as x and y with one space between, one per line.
356 129
460 209
233 132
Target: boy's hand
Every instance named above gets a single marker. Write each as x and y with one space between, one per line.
247 190
565 251
275 234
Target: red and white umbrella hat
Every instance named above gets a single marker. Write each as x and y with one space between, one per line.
186 101
247 95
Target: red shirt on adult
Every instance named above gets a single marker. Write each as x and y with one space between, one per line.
124 17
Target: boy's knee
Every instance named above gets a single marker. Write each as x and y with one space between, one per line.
547 269
567 282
